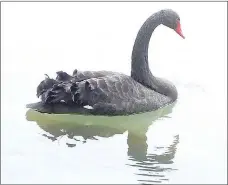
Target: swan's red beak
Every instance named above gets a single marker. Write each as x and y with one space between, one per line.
178 30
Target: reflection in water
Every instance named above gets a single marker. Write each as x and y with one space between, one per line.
93 127
152 167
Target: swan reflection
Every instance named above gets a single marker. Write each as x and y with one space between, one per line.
152 167
149 165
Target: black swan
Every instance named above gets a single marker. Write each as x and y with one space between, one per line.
112 93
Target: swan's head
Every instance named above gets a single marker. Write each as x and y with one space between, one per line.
172 20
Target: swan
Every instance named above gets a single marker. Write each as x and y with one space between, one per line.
112 93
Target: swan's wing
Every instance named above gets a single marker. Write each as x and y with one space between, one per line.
113 94
81 75
62 76
84 75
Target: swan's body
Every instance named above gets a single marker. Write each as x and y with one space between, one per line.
111 93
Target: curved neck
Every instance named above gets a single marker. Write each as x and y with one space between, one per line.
139 68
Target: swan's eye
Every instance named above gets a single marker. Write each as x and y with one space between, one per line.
177 22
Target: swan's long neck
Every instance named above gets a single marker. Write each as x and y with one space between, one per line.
140 70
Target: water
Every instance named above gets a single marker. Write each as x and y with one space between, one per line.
184 143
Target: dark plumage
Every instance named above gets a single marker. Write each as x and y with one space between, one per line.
112 93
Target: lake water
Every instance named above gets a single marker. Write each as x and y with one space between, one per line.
184 143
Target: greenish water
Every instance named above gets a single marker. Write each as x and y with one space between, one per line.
182 143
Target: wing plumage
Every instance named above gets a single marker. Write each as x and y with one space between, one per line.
106 92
